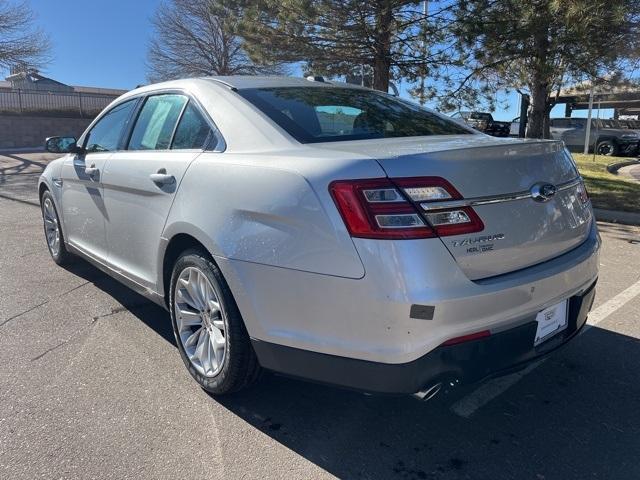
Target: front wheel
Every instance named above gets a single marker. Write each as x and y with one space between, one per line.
211 336
606 147
52 231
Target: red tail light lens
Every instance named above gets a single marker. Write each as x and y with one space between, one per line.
582 192
376 209
387 208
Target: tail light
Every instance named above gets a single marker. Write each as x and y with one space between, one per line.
387 208
583 195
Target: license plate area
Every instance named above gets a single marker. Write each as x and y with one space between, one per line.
551 321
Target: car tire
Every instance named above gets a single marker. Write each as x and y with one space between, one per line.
607 147
52 230
208 328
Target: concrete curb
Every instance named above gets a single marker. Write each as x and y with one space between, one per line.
615 216
614 167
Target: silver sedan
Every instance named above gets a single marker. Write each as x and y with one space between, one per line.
328 232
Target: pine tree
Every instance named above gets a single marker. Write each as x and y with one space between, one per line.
538 46
343 37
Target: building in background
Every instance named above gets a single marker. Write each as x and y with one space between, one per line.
33 107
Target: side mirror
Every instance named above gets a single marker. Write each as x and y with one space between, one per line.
61 145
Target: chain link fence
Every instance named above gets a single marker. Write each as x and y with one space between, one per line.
54 104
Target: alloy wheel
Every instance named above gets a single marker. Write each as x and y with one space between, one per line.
605 149
51 226
200 321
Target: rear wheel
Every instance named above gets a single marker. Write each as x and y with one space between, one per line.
606 147
211 336
52 231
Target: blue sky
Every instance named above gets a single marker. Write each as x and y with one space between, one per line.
103 43
97 43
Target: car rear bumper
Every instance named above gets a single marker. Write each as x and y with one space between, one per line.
413 298
465 363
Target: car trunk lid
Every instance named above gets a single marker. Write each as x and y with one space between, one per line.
497 178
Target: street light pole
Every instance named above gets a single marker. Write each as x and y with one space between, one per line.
588 132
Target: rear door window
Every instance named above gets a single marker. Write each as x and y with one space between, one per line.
156 122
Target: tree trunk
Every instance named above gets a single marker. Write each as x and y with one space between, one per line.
546 127
381 71
382 47
537 111
539 84
547 120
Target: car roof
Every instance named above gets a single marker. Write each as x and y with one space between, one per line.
236 82
249 81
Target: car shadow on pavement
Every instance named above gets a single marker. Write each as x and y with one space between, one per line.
152 315
575 416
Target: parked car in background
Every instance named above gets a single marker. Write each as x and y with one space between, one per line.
483 122
607 137
327 231
635 124
630 124
514 129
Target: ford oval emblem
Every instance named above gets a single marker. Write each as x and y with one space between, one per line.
543 192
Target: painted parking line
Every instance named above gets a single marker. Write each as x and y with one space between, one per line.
607 308
467 406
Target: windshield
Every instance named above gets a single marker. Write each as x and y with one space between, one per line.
481 116
329 114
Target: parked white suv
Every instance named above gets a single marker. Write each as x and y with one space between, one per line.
328 232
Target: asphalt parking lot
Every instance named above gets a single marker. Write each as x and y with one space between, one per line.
91 386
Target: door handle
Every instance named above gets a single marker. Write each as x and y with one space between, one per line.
161 177
92 171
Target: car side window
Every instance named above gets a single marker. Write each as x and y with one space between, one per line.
106 133
156 122
193 130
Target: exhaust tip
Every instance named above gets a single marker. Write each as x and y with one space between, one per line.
428 393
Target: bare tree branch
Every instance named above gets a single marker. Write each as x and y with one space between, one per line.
198 38
21 43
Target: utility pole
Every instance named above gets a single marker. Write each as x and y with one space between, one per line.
588 132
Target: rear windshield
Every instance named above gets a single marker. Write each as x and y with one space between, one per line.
329 114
